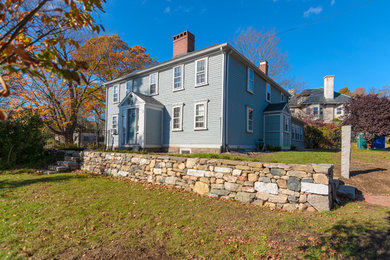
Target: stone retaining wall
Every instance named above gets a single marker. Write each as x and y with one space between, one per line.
276 185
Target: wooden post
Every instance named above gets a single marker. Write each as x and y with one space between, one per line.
345 151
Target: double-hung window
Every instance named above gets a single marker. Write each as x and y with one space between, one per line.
178 78
339 110
249 120
201 72
129 86
200 115
282 97
177 117
268 93
251 81
315 111
115 95
115 122
153 84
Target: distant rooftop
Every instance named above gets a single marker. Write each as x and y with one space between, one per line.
316 96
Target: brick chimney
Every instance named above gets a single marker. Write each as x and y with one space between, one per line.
329 87
183 43
263 66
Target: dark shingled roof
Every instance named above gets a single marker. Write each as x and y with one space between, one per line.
148 99
275 107
316 96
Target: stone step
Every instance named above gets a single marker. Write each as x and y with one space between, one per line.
348 191
58 168
48 172
71 158
69 164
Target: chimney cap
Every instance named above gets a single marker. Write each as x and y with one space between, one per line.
329 76
264 62
185 33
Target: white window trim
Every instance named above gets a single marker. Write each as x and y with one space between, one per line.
181 117
266 92
341 110
182 78
206 72
205 115
249 80
247 120
150 77
112 122
113 94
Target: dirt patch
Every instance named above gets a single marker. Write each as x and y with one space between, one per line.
117 251
371 178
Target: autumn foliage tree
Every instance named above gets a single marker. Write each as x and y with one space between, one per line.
370 116
62 103
30 28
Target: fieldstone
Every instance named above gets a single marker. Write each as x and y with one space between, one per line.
271 188
217 186
135 160
282 183
322 168
302 167
160 179
122 173
255 164
298 174
232 186
348 191
258 202
237 172
219 181
292 199
302 206
170 180
230 178
320 203
219 175
310 180
252 177
302 198
270 205
205 180
278 198
191 162
290 207
223 169
262 195
320 178
287 192
245 197
201 188
264 179
315 188
181 166
157 171
219 192
311 209
293 184
144 161
248 189
197 173
277 172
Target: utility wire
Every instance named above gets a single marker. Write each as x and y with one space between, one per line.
325 17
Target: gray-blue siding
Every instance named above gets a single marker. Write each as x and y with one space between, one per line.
153 125
237 100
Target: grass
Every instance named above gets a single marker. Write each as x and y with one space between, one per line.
70 215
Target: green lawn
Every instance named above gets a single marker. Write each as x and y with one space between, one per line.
70 215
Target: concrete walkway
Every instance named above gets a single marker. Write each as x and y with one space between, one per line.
380 200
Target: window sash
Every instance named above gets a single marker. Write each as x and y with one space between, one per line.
315 111
251 80
200 115
114 122
282 97
115 95
153 84
268 93
177 118
178 82
201 72
249 120
129 86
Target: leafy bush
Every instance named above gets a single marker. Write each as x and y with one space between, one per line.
21 140
273 148
68 146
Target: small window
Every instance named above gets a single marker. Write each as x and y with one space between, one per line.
114 122
153 84
201 72
286 123
177 118
200 116
268 93
282 97
129 86
251 81
249 120
339 110
115 95
315 111
178 78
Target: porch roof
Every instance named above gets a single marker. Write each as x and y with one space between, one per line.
275 107
145 98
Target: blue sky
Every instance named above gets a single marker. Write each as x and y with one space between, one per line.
353 45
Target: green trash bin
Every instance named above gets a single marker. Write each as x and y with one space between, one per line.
361 143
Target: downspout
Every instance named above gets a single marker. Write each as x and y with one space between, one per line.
226 92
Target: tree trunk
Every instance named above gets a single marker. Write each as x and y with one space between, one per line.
68 137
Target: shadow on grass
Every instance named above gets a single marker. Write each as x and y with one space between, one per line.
12 184
350 239
354 173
